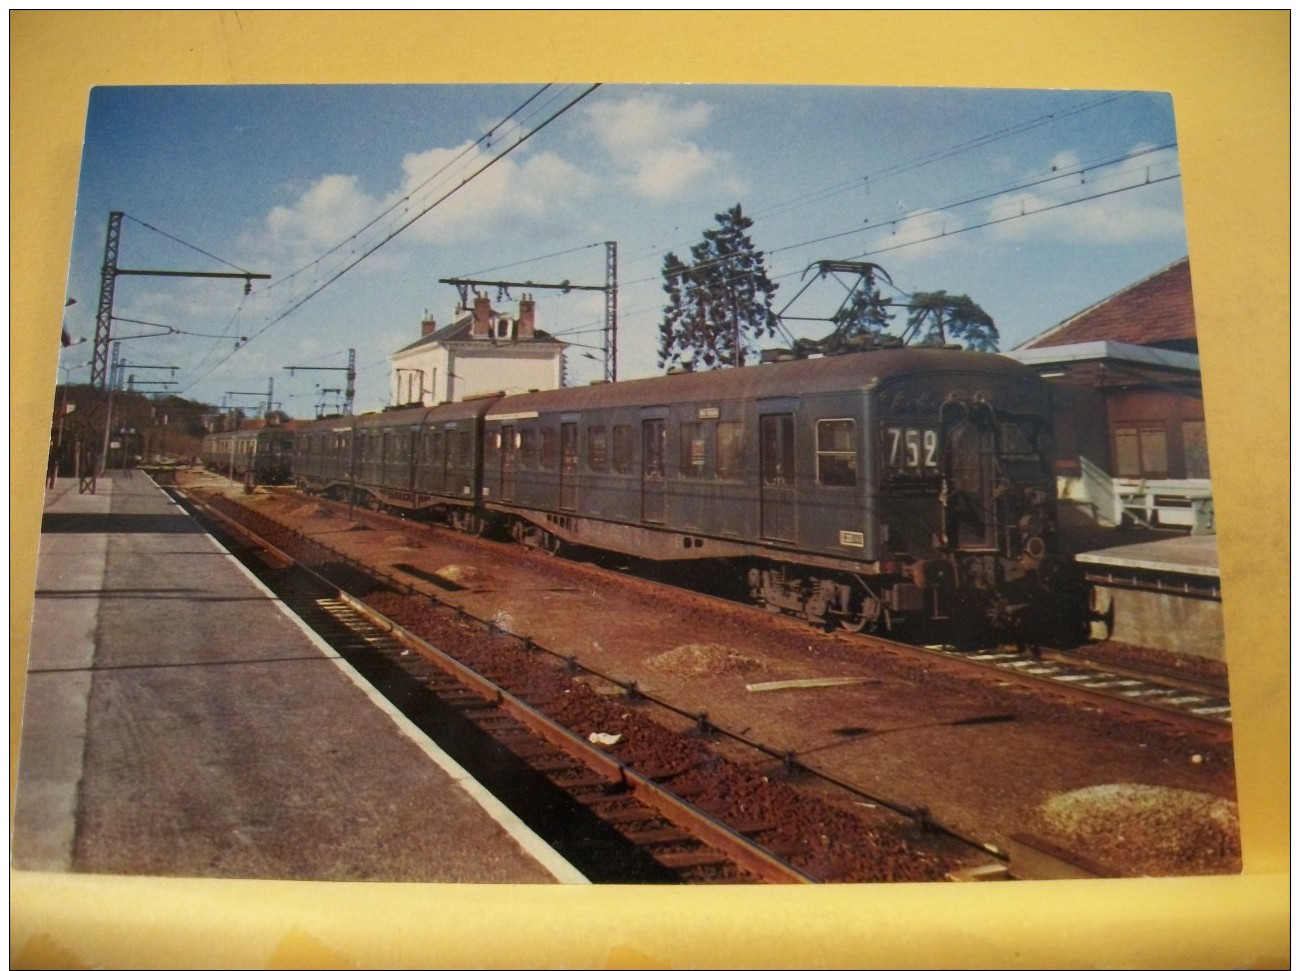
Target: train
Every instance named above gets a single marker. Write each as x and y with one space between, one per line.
262 454
861 491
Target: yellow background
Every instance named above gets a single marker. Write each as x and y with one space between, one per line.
1229 76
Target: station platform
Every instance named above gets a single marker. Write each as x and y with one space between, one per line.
1163 595
1193 556
179 721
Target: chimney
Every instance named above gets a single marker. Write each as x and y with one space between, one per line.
481 328
526 327
428 325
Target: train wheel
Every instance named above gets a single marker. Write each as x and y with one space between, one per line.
552 544
868 618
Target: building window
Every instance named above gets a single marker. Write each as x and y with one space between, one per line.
1196 452
1141 452
837 457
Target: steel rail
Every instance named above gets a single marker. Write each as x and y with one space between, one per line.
704 828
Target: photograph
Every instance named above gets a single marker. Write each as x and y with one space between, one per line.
872 471
709 486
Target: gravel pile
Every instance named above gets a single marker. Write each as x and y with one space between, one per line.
1141 830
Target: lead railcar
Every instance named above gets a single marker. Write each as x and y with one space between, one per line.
859 489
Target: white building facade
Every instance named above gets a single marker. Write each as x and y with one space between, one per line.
480 352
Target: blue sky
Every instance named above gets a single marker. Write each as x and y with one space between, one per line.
1035 204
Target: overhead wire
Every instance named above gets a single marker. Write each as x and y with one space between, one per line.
1033 181
485 138
403 226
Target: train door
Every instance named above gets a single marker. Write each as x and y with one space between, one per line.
412 456
509 456
653 444
569 465
388 469
968 459
777 478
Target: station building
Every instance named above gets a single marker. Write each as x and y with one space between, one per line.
481 351
1133 464
1130 433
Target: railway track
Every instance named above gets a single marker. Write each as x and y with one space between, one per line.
1177 701
788 765
666 813
1200 706
652 822
669 841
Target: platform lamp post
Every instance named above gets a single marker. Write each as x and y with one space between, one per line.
63 398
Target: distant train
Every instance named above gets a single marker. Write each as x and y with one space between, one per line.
265 452
856 490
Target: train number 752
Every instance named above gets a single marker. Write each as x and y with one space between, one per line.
912 448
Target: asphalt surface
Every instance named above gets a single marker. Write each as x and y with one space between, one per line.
179 721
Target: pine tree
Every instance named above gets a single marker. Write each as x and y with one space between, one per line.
719 302
936 318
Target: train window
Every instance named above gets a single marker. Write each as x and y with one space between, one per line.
622 449
549 452
837 454
776 440
728 446
653 436
1015 440
692 449
464 450
569 447
596 449
528 448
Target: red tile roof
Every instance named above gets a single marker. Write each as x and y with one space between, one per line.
1154 311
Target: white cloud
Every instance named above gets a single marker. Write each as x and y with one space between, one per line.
1133 201
644 121
446 195
487 202
331 208
649 140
